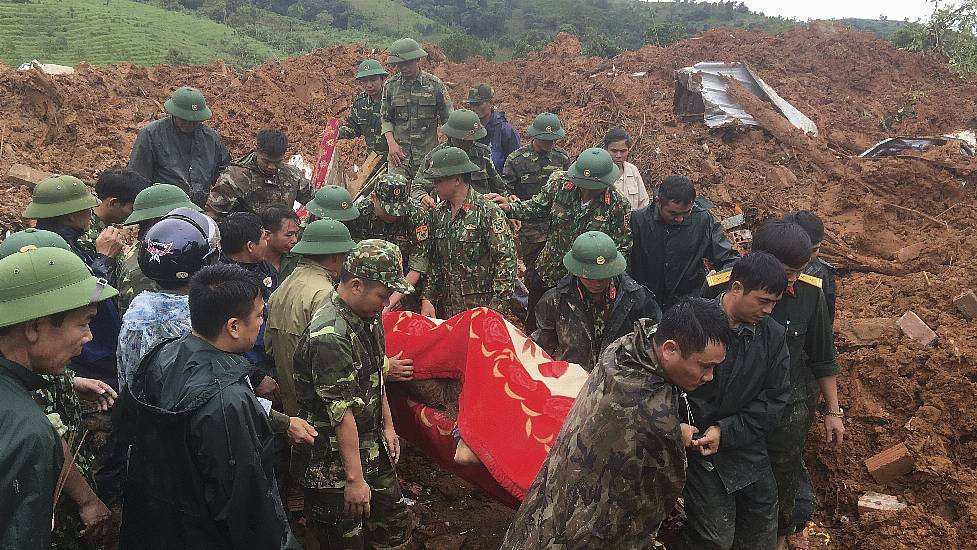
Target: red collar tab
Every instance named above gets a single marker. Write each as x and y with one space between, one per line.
467 207
790 289
568 186
607 197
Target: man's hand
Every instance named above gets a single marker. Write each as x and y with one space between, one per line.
395 153
688 431
427 309
394 303
300 432
94 391
427 201
834 430
498 199
268 388
109 242
356 498
95 515
393 444
401 370
708 444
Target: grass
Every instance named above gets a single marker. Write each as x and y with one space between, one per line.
393 18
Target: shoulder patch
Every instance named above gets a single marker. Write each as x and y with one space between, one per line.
421 232
810 279
498 225
720 278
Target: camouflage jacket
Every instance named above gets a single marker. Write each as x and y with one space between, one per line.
59 398
88 238
243 187
569 218
486 180
132 281
411 233
339 366
364 120
473 257
526 172
413 111
610 488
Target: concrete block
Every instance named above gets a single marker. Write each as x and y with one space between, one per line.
26 176
867 332
915 328
967 304
879 502
909 253
890 463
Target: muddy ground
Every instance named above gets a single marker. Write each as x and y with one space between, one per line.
858 90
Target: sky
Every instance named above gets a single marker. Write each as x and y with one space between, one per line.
836 9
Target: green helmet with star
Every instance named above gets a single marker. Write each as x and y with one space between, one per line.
37 238
594 255
405 49
370 67
450 161
58 196
189 104
324 237
594 169
547 127
464 124
333 203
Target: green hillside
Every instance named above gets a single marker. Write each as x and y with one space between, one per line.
393 18
109 31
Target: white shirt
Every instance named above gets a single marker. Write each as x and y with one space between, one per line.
632 186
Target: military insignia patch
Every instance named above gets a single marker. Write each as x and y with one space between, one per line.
421 232
267 282
498 225
600 218
395 191
470 227
194 107
568 187
157 250
549 128
810 279
600 260
717 279
586 173
344 205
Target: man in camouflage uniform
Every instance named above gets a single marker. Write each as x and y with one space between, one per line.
390 214
526 170
258 179
473 259
463 129
151 204
364 113
353 498
579 200
611 488
414 103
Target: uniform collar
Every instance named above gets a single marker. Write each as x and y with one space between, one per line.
355 321
68 233
27 378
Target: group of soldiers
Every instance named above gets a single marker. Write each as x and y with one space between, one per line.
243 351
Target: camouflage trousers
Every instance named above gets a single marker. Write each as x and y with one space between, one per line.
786 448
717 520
389 525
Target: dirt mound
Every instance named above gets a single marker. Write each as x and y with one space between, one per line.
857 89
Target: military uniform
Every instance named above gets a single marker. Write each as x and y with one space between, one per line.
610 488
364 120
485 180
243 187
827 273
411 110
132 281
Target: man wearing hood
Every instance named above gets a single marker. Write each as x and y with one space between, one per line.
618 465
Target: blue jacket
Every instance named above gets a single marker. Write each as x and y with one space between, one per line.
502 138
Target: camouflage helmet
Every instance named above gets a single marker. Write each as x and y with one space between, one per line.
405 49
392 192
479 93
594 256
189 104
546 127
38 282
464 124
594 169
157 201
370 67
38 238
333 203
59 195
380 261
324 237
450 161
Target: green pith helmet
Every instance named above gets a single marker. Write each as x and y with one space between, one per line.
450 161
594 256
547 127
370 67
392 192
405 49
189 104
38 238
464 124
479 93
157 201
43 281
594 169
324 237
380 261
333 203
59 195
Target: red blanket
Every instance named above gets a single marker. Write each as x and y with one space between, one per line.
513 401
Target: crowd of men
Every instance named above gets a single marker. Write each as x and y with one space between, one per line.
165 395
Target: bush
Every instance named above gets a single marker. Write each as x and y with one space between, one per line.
458 47
178 57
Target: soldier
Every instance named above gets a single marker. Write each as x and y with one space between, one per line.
617 142
332 202
730 494
151 204
390 214
259 179
116 191
671 238
180 149
594 305
578 200
47 298
473 259
502 138
463 129
414 103
282 226
618 465
322 251
526 171
352 495
364 113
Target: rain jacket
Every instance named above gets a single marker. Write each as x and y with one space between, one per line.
501 137
202 457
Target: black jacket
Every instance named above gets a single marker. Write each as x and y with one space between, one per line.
668 258
202 456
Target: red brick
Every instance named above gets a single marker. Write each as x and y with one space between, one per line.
879 502
910 252
967 304
890 463
915 328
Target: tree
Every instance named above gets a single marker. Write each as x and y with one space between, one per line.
951 33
